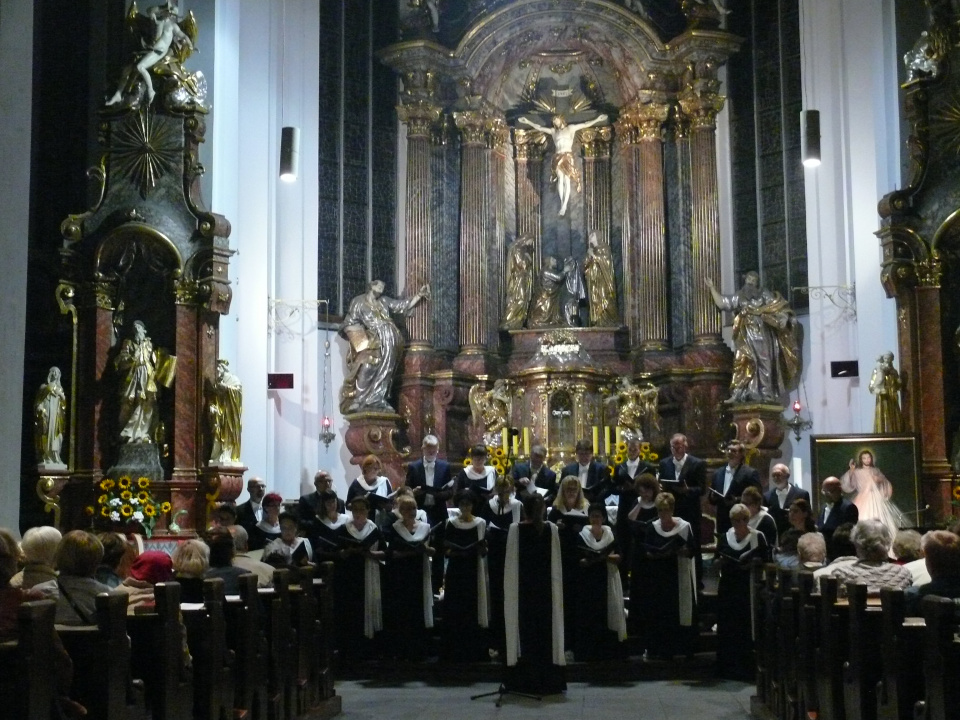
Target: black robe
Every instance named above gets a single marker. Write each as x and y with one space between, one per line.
593 639
406 615
569 525
349 588
735 658
464 637
636 621
499 519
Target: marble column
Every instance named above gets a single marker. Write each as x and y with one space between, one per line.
529 148
701 109
597 201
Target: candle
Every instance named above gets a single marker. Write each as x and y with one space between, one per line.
526 441
516 444
606 440
617 436
797 472
596 440
505 440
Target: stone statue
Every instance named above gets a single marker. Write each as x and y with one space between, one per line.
49 413
564 166
885 384
375 347
432 8
576 292
167 42
545 308
519 282
145 369
225 409
601 283
490 409
636 402
924 58
766 339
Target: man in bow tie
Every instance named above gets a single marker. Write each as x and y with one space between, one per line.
685 477
535 474
729 482
432 486
780 497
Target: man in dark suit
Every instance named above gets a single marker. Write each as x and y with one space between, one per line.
432 485
780 497
249 513
309 506
594 476
685 477
535 473
729 482
835 511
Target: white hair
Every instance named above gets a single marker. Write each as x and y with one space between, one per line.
430 440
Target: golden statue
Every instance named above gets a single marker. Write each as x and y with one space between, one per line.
491 408
885 384
601 283
146 369
226 408
545 308
636 402
49 412
519 282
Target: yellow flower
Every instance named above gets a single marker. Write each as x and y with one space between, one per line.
88 510
507 464
956 492
618 458
103 499
611 469
107 484
467 461
621 447
123 482
654 457
645 447
165 507
143 483
126 495
105 511
149 510
126 510
143 496
499 452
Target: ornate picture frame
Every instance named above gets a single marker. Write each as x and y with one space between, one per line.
896 456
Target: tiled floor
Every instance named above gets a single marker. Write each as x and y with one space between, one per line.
649 700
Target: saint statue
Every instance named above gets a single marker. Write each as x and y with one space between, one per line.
601 283
375 347
885 384
636 402
145 369
545 308
519 282
49 412
766 338
490 409
564 166
226 407
576 292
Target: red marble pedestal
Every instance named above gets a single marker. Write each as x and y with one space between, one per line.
221 483
760 428
377 433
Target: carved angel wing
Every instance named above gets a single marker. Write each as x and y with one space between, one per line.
477 404
189 27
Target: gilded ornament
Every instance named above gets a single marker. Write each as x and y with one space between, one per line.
491 409
520 277
885 385
225 410
146 147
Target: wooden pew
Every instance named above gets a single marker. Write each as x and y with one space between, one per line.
807 644
282 664
306 622
941 660
763 587
323 589
27 682
901 684
831 652
788 598
245 637
212 660
863 667
157 655
101 663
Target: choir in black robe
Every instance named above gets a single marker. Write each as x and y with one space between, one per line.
735 659
499 519
357 591
466 610
409 610
325 537
569 524
638 530
599 601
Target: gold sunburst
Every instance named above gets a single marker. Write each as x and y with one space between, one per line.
146 148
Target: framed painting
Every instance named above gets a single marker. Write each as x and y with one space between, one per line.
869 467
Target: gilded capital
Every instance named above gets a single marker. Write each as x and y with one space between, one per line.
529 144
187 292
930 270
419 84
642 122
701 109
596 141
419 116
98 294
478 127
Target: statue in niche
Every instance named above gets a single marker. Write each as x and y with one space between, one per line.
145 370
924 58
167 42
634 403
545 308
49 414
490 409
565 171
225 410
601 283
375 347
576 292
885 384
432 8
519 282
766 339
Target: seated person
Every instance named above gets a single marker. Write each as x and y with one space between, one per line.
872 540
191 560
269 528
908 549
78 558
148 569
941 550
117 556
289 549
811 551
242 559
39 549
220 542
224 515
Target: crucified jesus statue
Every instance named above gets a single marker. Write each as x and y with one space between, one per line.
564 167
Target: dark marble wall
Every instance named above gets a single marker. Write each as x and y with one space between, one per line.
765 100
357 163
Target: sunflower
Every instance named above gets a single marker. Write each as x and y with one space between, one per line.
498 452
611 469
618 458
123 482
645 447
653 457
126 510
143 483
150 510
107 484
498 466
143 496
621 447
956 492
467 462
105 511
88 510
165 507
103 499
126 495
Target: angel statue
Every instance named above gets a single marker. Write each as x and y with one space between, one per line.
167 42
491 408
565 171
519 282
375 347
49 410
225 409
636 402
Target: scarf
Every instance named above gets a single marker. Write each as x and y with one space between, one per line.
421 531
372 607
616 618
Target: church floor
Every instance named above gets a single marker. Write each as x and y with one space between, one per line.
686 699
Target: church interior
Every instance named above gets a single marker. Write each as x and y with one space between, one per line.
437 258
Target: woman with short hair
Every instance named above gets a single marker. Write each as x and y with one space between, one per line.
191 560
78 558
357 597
760 519
466 588
601 625
39 549
478 476
407 581
499 512
872 540
268 529
569 513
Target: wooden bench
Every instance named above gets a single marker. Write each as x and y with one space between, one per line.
941 660
212 659
27 690
901 647
246 638
863 667
831 651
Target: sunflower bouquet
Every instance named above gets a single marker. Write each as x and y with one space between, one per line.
499 460
126 501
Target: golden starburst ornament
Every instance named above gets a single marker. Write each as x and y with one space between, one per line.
146 148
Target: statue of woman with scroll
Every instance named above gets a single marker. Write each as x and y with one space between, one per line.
226 408
519 283
601 283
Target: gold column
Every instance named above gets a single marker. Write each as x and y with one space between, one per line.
597 200
701 108
529 147
644 238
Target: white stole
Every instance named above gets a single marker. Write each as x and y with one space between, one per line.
420 532
616 617
753 540
513 506
686 572
372 608
483 580
489 475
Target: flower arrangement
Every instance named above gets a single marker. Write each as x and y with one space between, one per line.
499 460
126 501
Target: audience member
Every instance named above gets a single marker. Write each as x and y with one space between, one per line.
148 569
811 551
39 549
220 542
78 558
908 549
941 549
191 560
117 555
872 540
242 559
